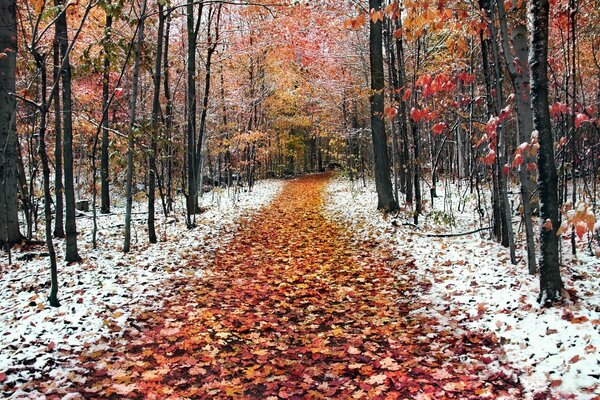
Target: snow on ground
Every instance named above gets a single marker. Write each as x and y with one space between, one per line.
101 296
469 282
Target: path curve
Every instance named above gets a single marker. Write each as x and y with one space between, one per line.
293 308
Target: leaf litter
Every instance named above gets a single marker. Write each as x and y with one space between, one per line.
295 307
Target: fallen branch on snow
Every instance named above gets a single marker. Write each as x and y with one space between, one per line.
456 234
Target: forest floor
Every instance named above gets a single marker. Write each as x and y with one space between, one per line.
313 296
468 283
293 307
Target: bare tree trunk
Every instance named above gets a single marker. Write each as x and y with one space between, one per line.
59 230
416 161
192 187
9 219
550 281
212 46
155 126
53 297
168 118
572 128
402 118
131 132
520 82
104 158
506 214
71 253
383 184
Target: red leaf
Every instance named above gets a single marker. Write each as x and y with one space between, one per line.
579 118
438 128
2 376
580 229
556 383
517 161
531 167
407 94
490 158
574 359
390 112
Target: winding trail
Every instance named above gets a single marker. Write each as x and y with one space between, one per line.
295 308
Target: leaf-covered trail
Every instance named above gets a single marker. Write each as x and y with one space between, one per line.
293 308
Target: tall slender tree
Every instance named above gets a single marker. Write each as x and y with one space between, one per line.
155 125
43 111
191 103
9 221
132 127
383 183
214 18
519 77
59 217
71 253
104 158
550 281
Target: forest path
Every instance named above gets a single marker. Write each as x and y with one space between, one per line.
294 308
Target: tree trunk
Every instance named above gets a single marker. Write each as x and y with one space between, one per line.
59 230
9 221
212 46
131 133
53 297
71 253
155 125
168 120
506 214
550 281
520 82
383 184
192 33
402 118
104 159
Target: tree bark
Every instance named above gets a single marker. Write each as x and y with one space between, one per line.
9 220
168 119
131 133
192 189
212 46
104 158
71 253
155 125
402 118
550 281
59 229
53 297
383 183
520 82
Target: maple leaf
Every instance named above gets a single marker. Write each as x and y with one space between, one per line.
390 112
170 331
441 374
152 376
123 390
389 363
438 128
454 386
490 158
377 379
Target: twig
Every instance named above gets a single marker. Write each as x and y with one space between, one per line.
456 234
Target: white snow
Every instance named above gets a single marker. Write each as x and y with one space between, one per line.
101 296
475 287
